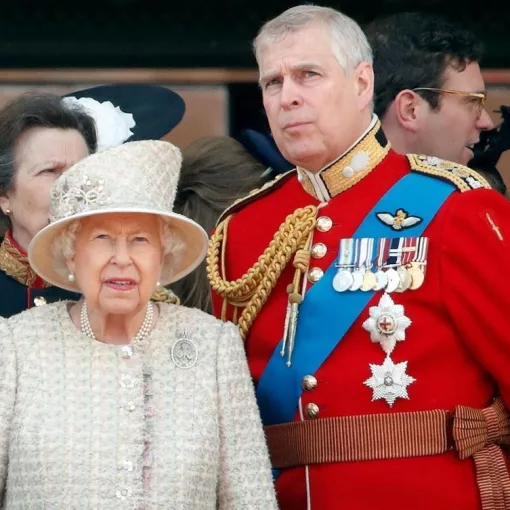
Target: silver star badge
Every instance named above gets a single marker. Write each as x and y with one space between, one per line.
389 381
387 323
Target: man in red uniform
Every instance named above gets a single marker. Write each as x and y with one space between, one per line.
371 290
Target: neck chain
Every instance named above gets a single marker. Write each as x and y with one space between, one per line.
144 330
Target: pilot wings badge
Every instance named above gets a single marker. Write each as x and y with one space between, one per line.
400 220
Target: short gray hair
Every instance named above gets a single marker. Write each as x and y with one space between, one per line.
63 245
349 44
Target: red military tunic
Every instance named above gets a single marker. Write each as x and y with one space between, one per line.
457 347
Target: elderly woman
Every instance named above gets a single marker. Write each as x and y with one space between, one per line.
114 401
41 136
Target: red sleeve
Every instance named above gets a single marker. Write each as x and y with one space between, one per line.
475 279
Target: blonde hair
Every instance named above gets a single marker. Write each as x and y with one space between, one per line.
349 44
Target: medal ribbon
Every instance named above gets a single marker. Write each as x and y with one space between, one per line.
383 250
346 254
409 251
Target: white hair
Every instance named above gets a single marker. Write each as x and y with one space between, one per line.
349 44
64 242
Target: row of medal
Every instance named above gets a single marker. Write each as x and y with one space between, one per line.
392 265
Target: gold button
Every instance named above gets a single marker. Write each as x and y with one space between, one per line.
315 274
39 301
312 410
309 382
324 223
319 250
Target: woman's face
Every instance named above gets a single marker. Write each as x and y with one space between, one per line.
117 262
41 155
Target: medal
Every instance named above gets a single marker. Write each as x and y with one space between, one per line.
407 252
405 279
393 280
357 275
387 325
419 261
382 254
369 280
393 262
416 274
357 280
343 278
389 381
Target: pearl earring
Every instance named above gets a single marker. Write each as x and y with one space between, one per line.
71 277
158 284
7 212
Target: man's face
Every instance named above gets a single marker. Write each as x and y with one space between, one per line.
315 111
449 131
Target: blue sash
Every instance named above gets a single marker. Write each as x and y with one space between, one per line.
325 315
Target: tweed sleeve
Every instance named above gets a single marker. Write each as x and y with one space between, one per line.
7 398
245 473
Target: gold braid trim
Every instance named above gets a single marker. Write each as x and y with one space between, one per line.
463 177
253 289
163 295
15 264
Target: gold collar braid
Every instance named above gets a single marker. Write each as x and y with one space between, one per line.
15 264
252 290
355 164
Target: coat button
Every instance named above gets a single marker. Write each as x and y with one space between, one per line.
324 223
312 410
319 250
39 301
315 274
309 382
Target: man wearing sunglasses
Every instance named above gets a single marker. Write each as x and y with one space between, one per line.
429 91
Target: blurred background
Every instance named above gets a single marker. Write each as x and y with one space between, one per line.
200 49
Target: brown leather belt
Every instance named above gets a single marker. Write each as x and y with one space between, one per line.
471 432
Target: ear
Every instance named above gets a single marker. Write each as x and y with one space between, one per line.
71 266
5 204
364 83
409 109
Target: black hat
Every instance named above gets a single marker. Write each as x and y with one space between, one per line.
155 110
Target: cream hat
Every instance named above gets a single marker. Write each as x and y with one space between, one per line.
136 177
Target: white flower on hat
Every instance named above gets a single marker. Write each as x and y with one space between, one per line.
113 126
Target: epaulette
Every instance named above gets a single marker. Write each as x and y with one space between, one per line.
255 194
463 177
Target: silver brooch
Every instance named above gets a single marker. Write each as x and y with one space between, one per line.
184 351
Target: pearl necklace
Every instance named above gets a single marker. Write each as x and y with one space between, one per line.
144 330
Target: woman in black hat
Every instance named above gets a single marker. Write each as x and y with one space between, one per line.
41 136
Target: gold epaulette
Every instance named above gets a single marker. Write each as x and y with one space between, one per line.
254 194
164 295
462 176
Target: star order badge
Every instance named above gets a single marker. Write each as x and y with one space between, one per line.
387 323
389 381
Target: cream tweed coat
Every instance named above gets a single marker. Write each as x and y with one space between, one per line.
74 421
